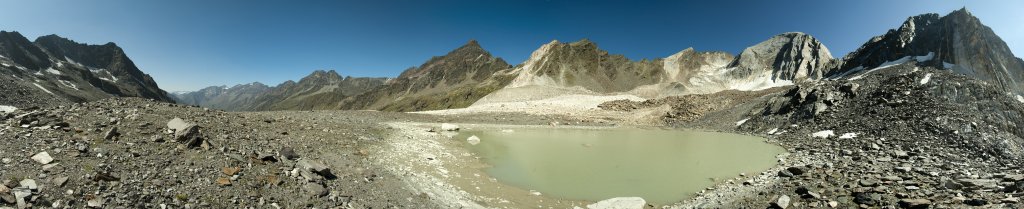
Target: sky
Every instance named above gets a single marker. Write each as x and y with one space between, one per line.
190 44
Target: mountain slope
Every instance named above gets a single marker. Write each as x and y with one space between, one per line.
319 90
957 41
454 80
64 70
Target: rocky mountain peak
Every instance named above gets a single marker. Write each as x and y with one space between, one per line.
788 56
958 42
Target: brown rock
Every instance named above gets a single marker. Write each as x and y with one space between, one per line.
223 181
231 171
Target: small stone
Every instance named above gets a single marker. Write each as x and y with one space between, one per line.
223 181
111 134
95 202
156 138
915 203
288 153
314 189
20 194
30 184
785 173
59 181
901 154
868 182
781 203
231 171
976 202
42 158
796 170
833 204
950 184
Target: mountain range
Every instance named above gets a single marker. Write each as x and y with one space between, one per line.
61 69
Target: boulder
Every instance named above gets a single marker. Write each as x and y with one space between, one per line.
449 127
619 203
315 190
915 203
473 140
185 132
781 203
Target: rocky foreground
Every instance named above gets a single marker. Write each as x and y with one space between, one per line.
138 153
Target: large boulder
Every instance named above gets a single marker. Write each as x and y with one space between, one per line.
185 132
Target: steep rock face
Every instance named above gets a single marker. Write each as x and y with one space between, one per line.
788 56
319 90
454 80
583 65
66 70
957 41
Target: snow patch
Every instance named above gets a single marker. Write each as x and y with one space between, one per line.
849 136
926 57
927 77
44 89
770 132
69 84
741 122
5 64
947 65
883 66
53 71
1020 98
7 109
823 134
39 73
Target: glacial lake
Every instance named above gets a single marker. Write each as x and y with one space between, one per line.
661 166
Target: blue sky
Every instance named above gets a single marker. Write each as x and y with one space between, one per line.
190 44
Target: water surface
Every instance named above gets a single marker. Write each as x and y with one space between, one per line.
586 164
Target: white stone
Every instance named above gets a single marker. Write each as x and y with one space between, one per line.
473 140
823 134
29 183
42 158
449 127
620 203
177 124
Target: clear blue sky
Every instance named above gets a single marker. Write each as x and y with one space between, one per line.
190 44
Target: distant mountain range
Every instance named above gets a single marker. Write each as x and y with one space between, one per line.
70 71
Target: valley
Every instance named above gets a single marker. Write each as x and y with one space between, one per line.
920 122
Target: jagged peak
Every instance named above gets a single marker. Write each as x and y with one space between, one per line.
583 42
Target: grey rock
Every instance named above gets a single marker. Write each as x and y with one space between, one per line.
29 183
315 190
111 134
288 153
785 173
42 158
915 203
781 203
